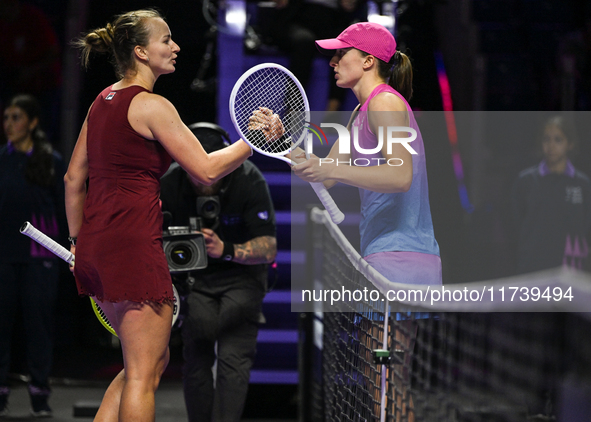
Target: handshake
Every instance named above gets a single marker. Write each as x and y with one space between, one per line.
266 127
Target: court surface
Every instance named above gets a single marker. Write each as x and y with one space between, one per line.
64 399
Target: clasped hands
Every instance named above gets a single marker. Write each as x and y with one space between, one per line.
310 170
267 122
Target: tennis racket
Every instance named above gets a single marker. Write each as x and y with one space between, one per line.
29 230
272 86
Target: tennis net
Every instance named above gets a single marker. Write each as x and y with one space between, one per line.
438 365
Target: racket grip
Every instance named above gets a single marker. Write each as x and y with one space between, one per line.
29 230
335 213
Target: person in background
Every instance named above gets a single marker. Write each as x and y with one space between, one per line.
552 205
224 302
31 189
127 142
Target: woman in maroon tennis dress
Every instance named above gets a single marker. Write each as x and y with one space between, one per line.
125 145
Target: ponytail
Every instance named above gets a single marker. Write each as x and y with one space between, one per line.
397 73
400 74
40 169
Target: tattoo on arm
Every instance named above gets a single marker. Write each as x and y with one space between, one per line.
260 250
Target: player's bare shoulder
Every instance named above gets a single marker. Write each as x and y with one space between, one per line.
148 110
387 109
386 101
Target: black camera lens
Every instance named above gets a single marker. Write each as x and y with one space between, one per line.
208 207
181 254
184 251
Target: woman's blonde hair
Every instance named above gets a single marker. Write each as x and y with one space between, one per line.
119 38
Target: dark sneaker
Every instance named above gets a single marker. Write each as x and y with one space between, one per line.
4 392
40 408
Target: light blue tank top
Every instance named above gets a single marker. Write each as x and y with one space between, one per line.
395 221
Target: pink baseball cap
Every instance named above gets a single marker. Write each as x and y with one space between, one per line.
370 37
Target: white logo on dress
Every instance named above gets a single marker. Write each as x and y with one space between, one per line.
574 194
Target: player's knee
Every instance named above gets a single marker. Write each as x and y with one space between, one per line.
165 359
161 367
158 376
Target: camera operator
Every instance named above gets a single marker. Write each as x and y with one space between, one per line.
224 299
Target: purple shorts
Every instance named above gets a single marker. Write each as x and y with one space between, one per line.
407 267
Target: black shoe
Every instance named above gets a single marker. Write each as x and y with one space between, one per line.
40 408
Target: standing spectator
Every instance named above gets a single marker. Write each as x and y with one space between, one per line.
552 205
31 188
224 304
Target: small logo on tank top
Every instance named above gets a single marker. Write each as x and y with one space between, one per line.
110 96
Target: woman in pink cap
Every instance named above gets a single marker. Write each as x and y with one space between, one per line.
396 229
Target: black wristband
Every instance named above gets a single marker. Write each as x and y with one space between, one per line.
72 240
285 138
281 144
228 252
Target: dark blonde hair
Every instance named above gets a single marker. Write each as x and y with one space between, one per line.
397 73
119 38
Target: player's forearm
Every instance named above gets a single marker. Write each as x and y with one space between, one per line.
75 195
296 155
225 161
260 250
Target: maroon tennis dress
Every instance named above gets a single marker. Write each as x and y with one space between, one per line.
119 252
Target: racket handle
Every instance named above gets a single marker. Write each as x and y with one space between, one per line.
47 242
335 213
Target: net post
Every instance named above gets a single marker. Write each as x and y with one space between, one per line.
384 371
306 332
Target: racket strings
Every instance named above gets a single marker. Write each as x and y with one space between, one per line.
104 318
273 89
102 315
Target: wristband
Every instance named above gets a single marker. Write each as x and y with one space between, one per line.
228 252
277 144
72 240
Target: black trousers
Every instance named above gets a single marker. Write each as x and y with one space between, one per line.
226 310
33 287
